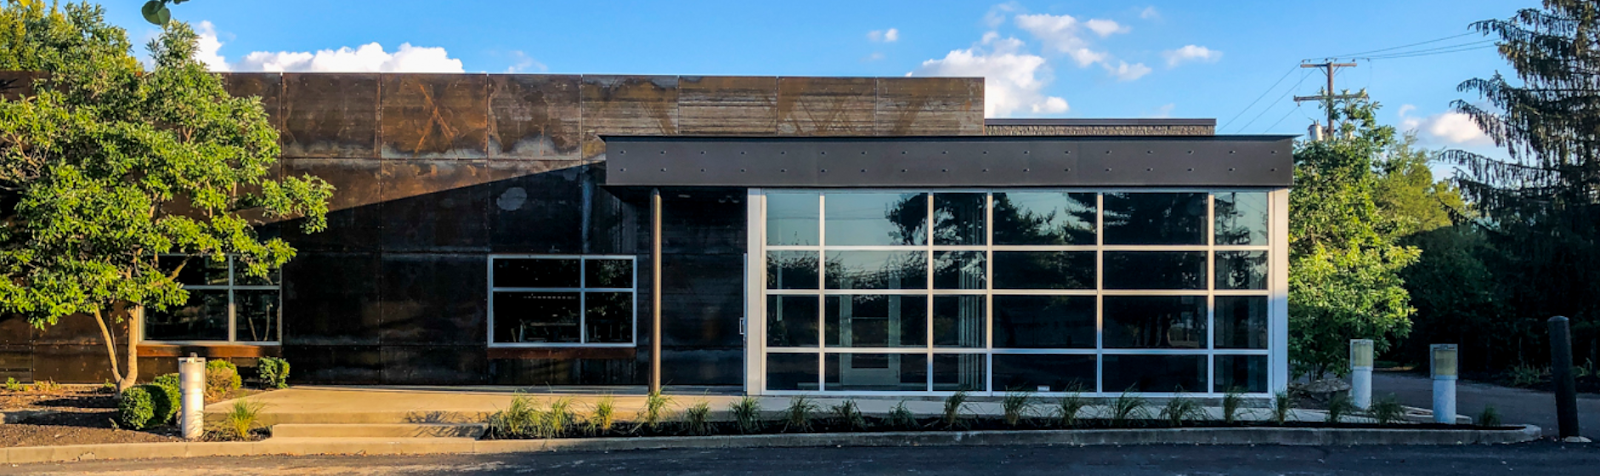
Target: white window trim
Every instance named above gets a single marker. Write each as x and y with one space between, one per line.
233 321
583 328
1275 291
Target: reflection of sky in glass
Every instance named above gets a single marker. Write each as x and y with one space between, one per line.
870 219
792 218
1241 218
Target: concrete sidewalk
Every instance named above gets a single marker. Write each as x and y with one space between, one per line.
356 404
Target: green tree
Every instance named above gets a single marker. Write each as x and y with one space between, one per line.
1344 268
1408 194
109 166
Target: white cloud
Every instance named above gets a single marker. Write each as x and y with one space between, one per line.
522 63
1149 13
1450 128
370 57
1014 79
1106 28
1063 34
997 14
1128 72
887 36
1190 53
872 57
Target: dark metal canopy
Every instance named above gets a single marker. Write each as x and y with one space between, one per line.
972 161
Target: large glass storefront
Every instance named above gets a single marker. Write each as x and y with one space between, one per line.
1094 291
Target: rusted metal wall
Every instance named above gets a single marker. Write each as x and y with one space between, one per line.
435 172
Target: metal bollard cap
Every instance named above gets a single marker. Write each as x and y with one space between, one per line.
1361 353
1442 360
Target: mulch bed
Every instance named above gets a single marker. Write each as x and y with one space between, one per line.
81 415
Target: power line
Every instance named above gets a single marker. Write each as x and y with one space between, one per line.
1431 53
1280 98
1258 98
1280 120
1436 40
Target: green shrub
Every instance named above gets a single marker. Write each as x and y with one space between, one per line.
47 387
697 419
222 378
1231 402
135 409
746 414
901 418
273 372
1067 409
953 405
1387 410
168 380
1489 417
849 416
1014 406
166 401
798 416
12 385
1524 375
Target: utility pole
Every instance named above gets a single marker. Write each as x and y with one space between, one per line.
1328 96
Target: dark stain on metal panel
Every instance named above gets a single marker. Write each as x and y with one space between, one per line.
534 116
435 116
627 105
728 105
826 106
330 115
929 106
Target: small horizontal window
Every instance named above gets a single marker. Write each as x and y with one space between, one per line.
226 304
562 300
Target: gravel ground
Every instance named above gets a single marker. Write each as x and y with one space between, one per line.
78 415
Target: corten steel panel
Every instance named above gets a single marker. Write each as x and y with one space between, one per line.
435 365
15 330
353 212
628 105
266 86
534 117
827 106
435 205
930 106
728 105
536 207
335 364
434 299
74 363
615 226
18 84
1229 161
702 300
330 115
434 116
80 329
332 299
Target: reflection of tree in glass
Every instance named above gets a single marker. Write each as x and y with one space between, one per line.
896 270
609 317
1019 218
792 270
1155 218
910 217
1238 216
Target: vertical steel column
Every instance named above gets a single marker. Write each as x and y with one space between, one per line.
655 291
1561 373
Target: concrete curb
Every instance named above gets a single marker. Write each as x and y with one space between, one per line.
394 446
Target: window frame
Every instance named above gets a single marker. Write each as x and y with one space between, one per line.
233 313
756 380
582 290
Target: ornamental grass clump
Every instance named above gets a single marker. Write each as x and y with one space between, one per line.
1068 407
520 419
1180 410
1489 417
242 418
746 414
1387 410
12 385
1231 403
953 406
901 418
604 416
697 419
797 418
655 411
1015 406
560 419
1281 407
1128 407
848 417
1340 405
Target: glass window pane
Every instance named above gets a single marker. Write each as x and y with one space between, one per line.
958 218
608 273
1044 270
792 218
197 270
1241 218
792 372
876 321
1155 270
1041 322
203 317
877 372
608 317
1155 218
1154 373
535 317
958 321
959 372
1241 270
536 273
1241 322
1044 373
1044 218
257 313
792 321
875 219
1155 322
877 269
958 270
791 270
1245 373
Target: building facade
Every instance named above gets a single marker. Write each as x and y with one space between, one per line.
791 235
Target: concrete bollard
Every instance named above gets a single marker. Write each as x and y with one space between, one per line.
1361 373
1561 373
192 386
1442 360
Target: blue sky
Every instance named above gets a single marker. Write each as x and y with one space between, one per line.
1042 58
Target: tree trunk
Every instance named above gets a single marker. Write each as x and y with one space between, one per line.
135 325
124 380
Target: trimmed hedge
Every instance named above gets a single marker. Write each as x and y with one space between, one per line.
136 408
273 372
